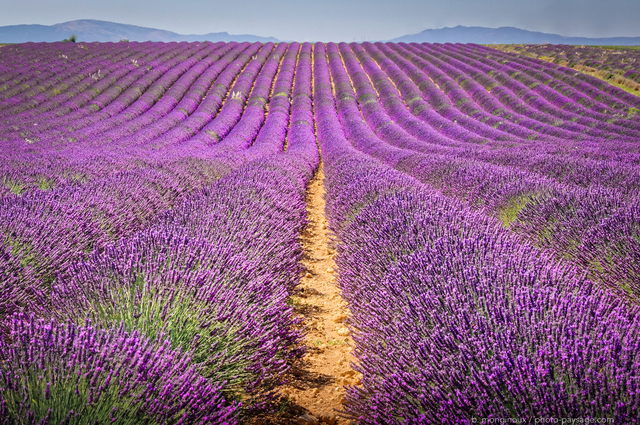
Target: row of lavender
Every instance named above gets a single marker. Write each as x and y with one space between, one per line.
142 203
578 199
457 318
118 191
153 289
119 100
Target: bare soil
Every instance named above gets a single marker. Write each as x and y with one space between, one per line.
316 384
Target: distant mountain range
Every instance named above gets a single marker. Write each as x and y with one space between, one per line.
92 30
507 35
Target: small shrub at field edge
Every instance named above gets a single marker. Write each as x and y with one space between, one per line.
71 39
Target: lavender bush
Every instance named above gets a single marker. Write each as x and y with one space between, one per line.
52 373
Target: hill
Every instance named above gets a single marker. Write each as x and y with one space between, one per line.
93 30
506 35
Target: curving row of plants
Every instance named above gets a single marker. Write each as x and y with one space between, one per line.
581 209
455 318
166 271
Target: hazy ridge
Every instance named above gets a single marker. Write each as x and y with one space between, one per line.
103 31
94 30
506 35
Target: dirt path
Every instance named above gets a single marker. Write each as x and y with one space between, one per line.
315 389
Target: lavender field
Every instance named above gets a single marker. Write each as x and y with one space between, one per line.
485 209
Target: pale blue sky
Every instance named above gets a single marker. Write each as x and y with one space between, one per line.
338 20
